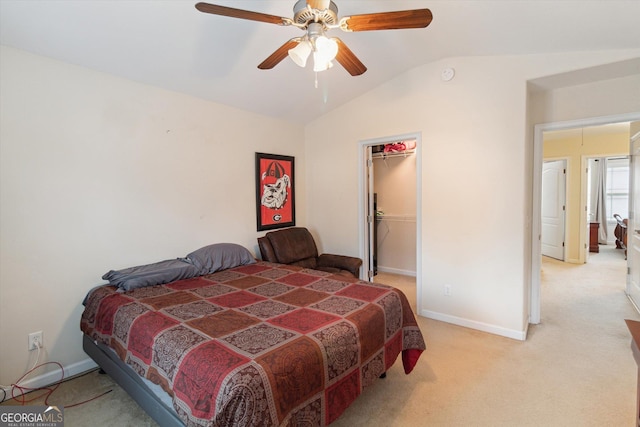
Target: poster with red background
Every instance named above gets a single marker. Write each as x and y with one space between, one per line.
275 195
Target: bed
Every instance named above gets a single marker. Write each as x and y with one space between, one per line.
247 343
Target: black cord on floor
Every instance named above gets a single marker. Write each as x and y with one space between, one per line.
48 389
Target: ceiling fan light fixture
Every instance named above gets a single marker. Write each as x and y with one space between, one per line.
321 66
325 51
300 53
327 48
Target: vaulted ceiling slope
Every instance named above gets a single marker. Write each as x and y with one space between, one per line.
171 45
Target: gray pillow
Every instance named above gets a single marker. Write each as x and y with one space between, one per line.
220 256
151 274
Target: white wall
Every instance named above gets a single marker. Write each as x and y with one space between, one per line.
99 173
477 125
587 100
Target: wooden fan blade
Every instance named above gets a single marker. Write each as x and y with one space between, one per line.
319 4
418 18
276 57
242 14
348 59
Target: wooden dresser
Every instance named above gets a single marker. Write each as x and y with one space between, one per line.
634 327
593 237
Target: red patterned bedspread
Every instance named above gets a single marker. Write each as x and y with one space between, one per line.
262 344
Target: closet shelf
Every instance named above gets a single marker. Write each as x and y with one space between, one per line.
405 153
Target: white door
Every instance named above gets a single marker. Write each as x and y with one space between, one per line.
633 230
553 208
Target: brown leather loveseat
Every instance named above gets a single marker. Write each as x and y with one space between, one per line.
296 246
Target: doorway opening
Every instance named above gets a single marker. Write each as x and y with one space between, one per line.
390 207
607 200
579 227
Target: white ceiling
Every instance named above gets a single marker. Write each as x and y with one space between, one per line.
171 45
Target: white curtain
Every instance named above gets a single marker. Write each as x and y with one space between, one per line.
598 197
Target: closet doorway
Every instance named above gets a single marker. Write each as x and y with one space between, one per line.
390 206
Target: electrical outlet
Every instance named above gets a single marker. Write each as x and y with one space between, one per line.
35 340
447 290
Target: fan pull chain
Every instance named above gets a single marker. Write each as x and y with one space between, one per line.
316 80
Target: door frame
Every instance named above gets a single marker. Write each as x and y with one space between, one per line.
584 196
632 218
363 201
536 257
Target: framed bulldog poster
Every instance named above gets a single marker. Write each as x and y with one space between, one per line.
275 195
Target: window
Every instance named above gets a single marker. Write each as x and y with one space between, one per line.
617 183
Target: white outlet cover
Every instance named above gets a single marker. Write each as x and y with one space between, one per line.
32 339
447 74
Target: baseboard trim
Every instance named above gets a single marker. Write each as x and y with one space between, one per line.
396 271
53 376
480 326
633 303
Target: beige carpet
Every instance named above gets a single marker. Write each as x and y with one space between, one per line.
575 369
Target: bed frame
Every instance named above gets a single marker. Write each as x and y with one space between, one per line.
132 383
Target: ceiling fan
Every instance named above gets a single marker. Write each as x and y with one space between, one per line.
315 18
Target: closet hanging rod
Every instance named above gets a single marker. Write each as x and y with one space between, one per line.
403 218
